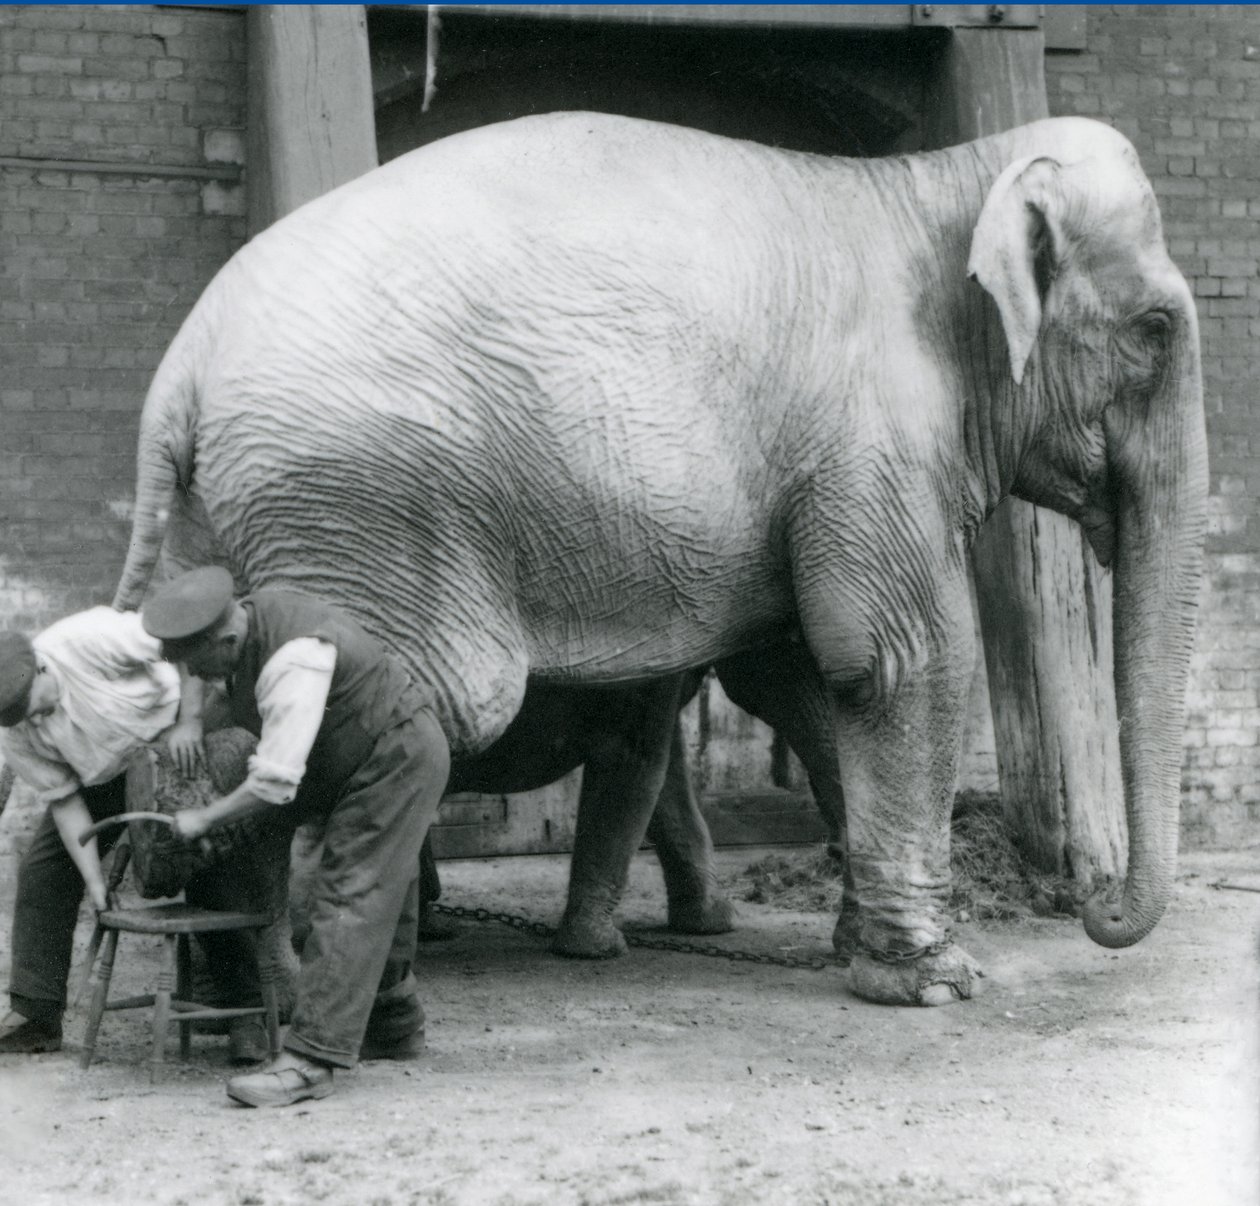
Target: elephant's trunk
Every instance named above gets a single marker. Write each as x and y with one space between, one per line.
1160 472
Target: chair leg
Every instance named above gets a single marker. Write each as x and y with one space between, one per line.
267 966
162 1001
183 991
99 978
85 980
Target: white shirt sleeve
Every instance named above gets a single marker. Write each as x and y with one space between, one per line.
291 692
49 777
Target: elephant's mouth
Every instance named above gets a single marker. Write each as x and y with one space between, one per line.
1100 531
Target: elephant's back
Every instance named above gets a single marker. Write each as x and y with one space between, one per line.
527 199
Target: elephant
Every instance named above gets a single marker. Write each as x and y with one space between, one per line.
595 400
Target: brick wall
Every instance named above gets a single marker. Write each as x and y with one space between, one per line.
99 264
1183 82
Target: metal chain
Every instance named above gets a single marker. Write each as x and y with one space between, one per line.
903 956
679 946
512 919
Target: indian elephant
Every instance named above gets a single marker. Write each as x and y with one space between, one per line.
596 400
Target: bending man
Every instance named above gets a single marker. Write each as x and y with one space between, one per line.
344 737
75 703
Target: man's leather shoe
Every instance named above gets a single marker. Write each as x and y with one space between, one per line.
20 1035
288 1079
247 1041
407 1047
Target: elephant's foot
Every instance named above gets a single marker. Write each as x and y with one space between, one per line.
938 978
711 914
588 937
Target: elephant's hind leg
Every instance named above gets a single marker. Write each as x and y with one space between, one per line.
621 781
685 851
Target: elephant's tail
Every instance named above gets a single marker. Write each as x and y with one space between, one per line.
164 461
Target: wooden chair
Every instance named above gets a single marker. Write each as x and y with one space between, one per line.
175 922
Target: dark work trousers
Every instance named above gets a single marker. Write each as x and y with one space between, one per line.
364 900
50 893
430 883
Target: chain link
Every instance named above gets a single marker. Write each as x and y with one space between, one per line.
676 945
903 956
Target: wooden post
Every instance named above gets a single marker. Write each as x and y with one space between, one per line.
311 120
1044 603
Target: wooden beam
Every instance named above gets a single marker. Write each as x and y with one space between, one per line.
310 112
835 16
1044 604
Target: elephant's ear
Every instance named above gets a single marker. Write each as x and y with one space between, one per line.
1016 250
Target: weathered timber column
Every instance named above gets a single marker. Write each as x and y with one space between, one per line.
311 120
1044 603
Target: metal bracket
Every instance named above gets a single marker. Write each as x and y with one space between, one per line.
1005 16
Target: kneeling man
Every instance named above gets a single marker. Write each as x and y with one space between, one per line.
344 737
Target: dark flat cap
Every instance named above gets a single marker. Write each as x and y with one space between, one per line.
17 672
187 605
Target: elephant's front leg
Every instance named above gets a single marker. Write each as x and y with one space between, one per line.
780 684
900 758
685 851
621 781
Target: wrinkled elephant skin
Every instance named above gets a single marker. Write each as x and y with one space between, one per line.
597 400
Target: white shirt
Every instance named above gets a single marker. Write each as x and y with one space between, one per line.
291 693
115 694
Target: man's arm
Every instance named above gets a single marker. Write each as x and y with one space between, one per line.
70 815
57 786
292 690
193 823
186 739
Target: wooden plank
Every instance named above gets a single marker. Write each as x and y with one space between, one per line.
1044 604
832 16
310 112
988 81
533 822
229 172
762 819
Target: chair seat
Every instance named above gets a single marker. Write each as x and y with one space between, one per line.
178 918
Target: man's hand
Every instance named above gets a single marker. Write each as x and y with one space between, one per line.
97 894
186 741
190 824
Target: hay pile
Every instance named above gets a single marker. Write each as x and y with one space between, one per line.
990 877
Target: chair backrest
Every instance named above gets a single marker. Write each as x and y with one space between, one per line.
119 858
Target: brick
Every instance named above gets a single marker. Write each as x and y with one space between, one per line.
41 64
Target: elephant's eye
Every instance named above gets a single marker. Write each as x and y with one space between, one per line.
1153 326
1141 348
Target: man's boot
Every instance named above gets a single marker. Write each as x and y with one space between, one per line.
20 1035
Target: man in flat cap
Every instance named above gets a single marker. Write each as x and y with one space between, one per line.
345 737
75 703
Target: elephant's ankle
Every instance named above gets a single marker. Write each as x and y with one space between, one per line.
939 975
711 913
588 935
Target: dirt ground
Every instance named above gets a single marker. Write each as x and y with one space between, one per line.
1082 1076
